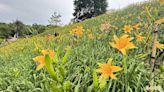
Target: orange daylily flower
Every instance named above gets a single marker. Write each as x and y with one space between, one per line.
161 1
123 43
49 37
160 21
41 59
48 52
105 26
107 70
137 26
159 45
139 37
127 29
78 31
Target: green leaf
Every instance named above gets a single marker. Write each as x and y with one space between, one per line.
66 56
67 85
62 71
50 68
102 85
54 88
90 88
77 88
95 80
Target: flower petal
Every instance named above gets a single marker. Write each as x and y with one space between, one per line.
40 66
116 68
112 44
113 76
44 52
115 38
40 59
99 70
99 64
49 52
131 38
130 46
124 36
110 61
123 51
104 76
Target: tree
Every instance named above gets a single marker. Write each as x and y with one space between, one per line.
6 30
40 28
85 9
19 28
55 19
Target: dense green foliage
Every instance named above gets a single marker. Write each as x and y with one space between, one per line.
19 29
85 9
18 69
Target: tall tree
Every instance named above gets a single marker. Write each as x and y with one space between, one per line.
19 28
55 19
85 9
5 30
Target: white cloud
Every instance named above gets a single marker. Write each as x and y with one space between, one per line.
39 11
117 4
4 8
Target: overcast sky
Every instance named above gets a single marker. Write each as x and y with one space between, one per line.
39 11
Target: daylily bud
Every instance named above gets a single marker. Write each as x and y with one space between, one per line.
102 85
62 71
95 80
67 85
50 68
65 58
162 68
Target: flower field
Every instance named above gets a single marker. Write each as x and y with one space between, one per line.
120 51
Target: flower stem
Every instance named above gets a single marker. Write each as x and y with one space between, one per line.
125 64
50 68
153 55
125 71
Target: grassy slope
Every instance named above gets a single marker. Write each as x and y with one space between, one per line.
18 69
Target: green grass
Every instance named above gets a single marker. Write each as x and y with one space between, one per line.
18 69
1 40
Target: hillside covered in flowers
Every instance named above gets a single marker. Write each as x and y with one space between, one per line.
120 51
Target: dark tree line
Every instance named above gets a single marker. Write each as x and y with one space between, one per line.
85 9
19 29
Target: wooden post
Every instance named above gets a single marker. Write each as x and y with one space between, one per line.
153 55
